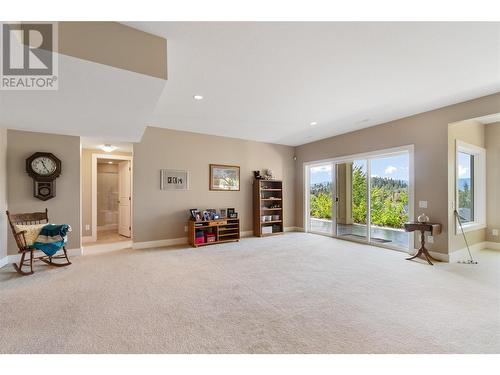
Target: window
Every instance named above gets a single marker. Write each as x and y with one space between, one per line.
465 187
471 185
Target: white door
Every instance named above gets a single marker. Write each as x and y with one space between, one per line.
124 198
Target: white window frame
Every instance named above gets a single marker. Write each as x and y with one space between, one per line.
479 185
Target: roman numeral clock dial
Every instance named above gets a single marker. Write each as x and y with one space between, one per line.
43 168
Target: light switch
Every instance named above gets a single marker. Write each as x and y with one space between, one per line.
87 227
494 232
422 204
430 239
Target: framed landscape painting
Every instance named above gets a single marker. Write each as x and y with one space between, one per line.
224 177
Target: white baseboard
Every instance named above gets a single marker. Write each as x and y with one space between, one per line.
294 229
184 240
439 256
463 254
71 252
107 227
492 245
160 243
4 261
105 247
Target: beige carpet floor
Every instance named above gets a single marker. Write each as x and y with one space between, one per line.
296 293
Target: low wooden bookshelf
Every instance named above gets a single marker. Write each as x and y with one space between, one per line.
218 231
268 207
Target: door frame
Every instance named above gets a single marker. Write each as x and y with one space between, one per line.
307 220
367 156
94 189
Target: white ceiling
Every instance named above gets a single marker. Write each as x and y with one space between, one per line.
268 81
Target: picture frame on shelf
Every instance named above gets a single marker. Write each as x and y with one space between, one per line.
231 213
206 215
223 213
224 177
213 213
193 212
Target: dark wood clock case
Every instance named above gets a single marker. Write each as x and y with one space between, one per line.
44 187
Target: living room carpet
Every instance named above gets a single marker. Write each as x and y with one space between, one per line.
297 293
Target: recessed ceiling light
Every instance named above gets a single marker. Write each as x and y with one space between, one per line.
197 97
313 123
110 162
108 148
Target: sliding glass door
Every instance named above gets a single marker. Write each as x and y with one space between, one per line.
321 198
362 199
389 200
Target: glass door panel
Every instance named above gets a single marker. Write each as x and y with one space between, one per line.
389 193
351 201
321 199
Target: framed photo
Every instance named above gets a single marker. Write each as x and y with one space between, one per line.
224 177
195 214
172 179
223 213
206 216
212 212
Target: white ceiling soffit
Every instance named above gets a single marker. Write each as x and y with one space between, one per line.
490 119
269 81
93 100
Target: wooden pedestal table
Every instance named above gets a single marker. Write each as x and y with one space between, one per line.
433 228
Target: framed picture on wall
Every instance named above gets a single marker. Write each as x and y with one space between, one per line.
224 177
172 179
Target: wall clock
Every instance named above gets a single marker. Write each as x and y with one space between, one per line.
44 168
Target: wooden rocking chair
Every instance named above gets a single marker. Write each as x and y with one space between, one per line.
32 219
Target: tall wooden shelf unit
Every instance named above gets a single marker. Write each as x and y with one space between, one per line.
268 201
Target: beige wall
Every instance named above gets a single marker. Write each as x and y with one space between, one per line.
428 132
471 132
86 186
3 193
65 207
159 215
492 141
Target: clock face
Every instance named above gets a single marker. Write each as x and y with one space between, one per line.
43 166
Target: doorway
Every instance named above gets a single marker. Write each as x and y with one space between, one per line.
363 198
111 198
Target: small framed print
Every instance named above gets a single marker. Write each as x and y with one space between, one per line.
195 214
224 177
206 215
223 213
172 179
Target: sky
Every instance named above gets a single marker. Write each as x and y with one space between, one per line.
464 165
395 167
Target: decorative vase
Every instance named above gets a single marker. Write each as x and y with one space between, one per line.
423 218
